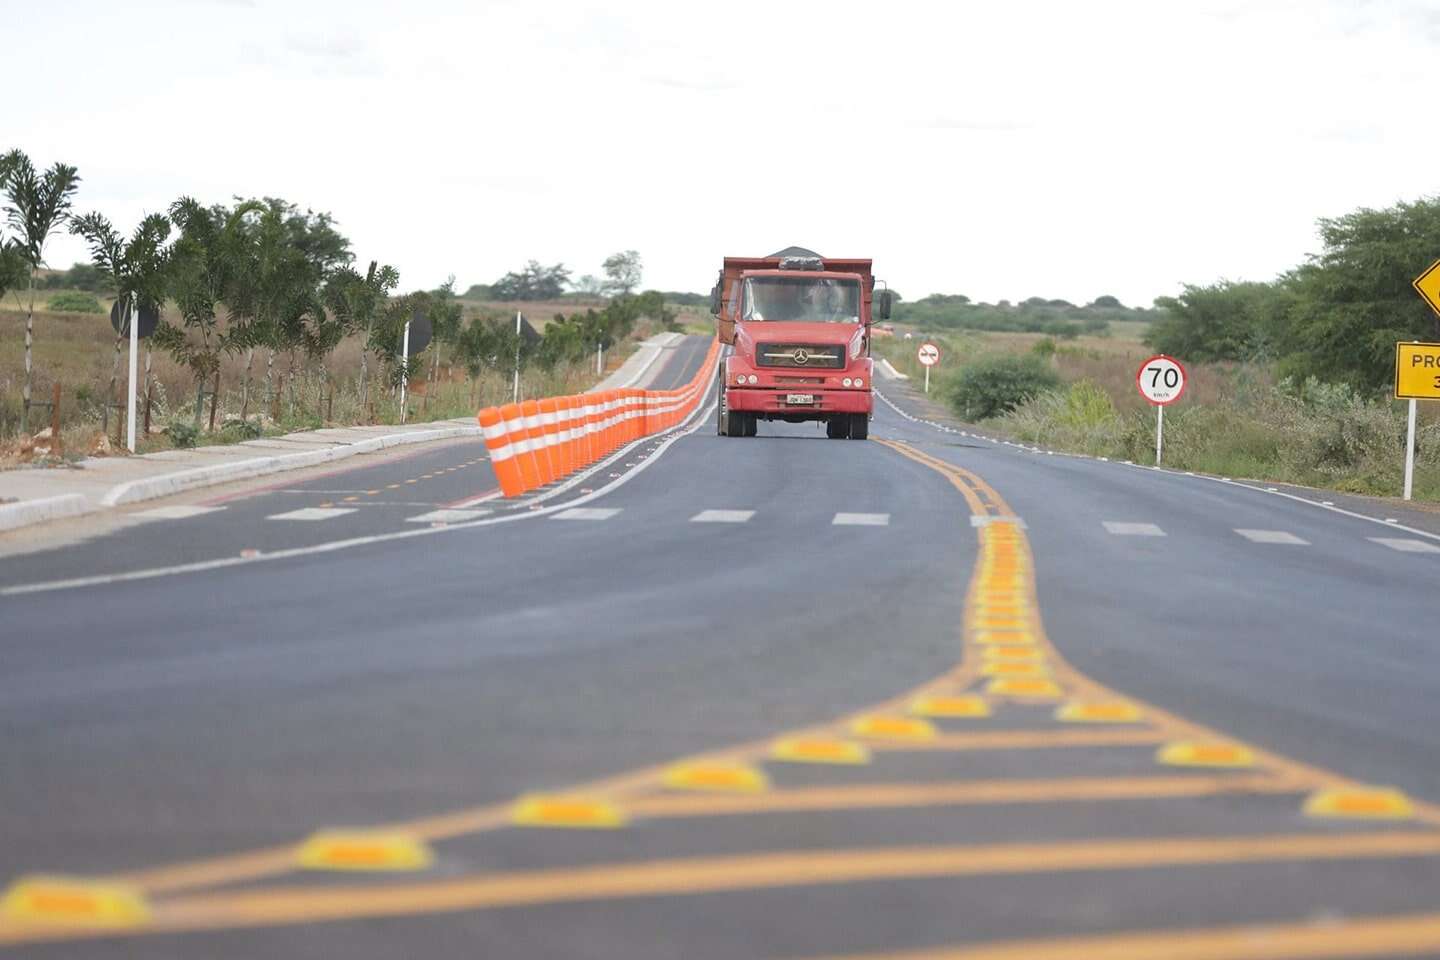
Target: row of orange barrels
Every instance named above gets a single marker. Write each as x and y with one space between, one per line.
536 442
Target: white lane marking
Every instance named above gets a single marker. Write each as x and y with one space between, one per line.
177 512
1123 529
700 417
448 516
722 516
861 520
979 521
1405 545
1273 536
312 513
587 513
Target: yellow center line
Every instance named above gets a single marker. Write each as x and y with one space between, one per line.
1382 936
699 875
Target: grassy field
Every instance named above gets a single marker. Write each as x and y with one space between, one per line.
79 351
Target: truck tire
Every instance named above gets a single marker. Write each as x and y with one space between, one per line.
752 424
859 426
721 419
837 428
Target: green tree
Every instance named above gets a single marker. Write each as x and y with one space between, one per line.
994 385
622 272
1224 321
37 204
1354 299
204 261
534 282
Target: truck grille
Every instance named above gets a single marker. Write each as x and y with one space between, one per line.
827 356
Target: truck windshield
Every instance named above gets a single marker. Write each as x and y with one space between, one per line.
812 299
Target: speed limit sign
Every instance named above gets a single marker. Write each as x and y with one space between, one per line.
1161 380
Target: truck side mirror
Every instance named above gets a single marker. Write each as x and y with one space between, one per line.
715 302
884 304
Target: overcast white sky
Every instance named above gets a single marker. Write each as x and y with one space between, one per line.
1000 150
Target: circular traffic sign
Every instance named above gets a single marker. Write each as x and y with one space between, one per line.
929 354
1161 380
149 320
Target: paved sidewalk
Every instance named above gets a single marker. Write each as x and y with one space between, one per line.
35 495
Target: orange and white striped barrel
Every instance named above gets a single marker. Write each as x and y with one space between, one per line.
502 454
535 433
514 418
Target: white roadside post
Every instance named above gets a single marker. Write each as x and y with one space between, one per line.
405 377
134 364
599 358
515 398
929 355
1410 451
1161 380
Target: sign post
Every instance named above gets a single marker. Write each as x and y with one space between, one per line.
405 377
1161 380
929 355
516 393
134 364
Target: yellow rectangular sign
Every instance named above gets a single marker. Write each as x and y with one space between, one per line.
1417 371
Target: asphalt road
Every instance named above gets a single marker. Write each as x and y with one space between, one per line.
712 594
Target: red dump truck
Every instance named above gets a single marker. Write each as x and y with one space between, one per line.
799 324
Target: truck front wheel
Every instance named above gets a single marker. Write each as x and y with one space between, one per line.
859 426
837 427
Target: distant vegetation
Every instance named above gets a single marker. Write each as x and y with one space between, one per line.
1058 318
73 302
1335 317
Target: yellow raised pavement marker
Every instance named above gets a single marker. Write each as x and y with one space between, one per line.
999 612
885 726
1010 638
963 706
820 750
720 777
1360 803
73 900
1037 687
567 812
1105 711
1189 753
1012 653
1000 623
363 850
1013 668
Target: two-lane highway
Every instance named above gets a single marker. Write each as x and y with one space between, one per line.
780 696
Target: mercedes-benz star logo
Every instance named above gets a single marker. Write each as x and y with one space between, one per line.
801 356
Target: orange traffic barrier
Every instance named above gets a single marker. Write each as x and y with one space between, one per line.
535 433
550 436
535 442
520 446
502 456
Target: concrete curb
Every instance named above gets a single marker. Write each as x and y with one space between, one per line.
28 512
148 488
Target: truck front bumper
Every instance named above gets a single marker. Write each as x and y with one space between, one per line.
766 400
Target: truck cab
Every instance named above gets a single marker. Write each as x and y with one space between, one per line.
799 324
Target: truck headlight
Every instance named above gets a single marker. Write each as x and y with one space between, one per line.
754 379
740 379
847 381
859 381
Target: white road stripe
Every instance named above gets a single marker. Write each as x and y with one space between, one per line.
587 513
447 516
722 516
1405 545
861 520
1273 536
1123 529
312 513
177 512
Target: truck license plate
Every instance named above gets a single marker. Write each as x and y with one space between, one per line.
808 398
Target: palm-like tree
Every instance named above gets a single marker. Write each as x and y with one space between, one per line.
356 301
137 268
37 205
204 263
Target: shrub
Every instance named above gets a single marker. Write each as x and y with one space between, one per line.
71 302
237 429
183 433
994 385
